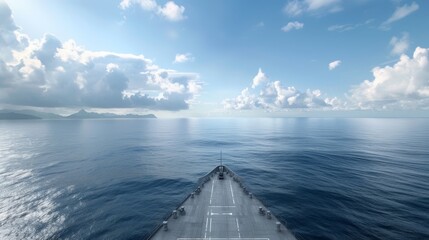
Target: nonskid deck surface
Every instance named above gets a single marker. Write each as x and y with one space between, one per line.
222 210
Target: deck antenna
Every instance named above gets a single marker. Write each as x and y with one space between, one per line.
220 168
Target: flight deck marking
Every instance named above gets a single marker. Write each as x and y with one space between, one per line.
226 213
210 225
223 238
238 228
220 206
211 193
207 224
232 193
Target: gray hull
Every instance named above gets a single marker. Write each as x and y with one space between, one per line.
221 209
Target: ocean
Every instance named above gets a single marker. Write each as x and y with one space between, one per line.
327 178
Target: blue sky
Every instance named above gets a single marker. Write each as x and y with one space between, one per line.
217 58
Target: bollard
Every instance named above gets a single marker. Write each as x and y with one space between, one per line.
164 223
278 227
182 210
250 195
174 214
269 214
192 195
261 211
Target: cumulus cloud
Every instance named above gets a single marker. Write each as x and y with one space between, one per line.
399 45
111 67
292 25
334 64
297 7
49 73
274 96
170 11
404 85
259 78
183 57
242 102
145 4
9 36
401 12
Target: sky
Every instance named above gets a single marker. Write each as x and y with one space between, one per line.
222 58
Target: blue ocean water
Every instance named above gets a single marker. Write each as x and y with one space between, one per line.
116 179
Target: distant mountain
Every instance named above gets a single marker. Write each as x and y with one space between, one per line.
42 115
82 114
14 116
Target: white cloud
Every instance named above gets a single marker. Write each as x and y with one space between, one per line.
402 86
334 64
348 27
145 4
148 4
259 78
297 7
401 12
341 28
124 4
170 11
243 101
405 85
292 25
399 45
276 97
183 57
111 67
194 87
318 4
49 73
294 8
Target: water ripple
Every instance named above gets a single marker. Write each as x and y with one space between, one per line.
327 178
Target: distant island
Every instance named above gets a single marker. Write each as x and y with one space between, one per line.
12 115
7 114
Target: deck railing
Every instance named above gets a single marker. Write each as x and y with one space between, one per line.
201 180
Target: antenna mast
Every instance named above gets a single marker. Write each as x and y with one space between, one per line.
221 157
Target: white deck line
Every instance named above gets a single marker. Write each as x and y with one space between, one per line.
207 225
223 238
238 228
217 214
211 193
232 192
221 206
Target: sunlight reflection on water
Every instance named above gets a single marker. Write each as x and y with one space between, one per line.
328 178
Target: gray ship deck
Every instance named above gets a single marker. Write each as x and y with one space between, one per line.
223 209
